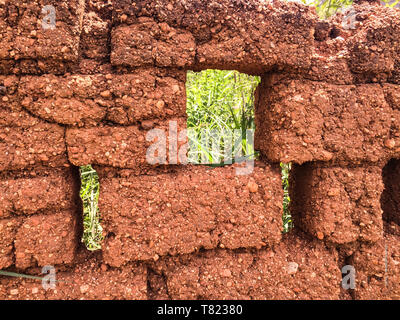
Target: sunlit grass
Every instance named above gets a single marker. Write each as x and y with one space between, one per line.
92 234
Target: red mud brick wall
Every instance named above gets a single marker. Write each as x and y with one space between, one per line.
90 89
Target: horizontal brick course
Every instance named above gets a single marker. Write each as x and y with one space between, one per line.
90 279
194 207
294 269
122 147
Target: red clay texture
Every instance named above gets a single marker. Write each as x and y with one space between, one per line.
90 279
87 100
106 87
339 205
47 239
39 145
127 147
222 36
294 269
378 269
196 207
8 231
27 47
41 192
302 121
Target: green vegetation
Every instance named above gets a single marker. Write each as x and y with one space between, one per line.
287 218
326 8
92 234
220 108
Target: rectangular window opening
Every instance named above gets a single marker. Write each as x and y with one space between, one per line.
89 193
220 109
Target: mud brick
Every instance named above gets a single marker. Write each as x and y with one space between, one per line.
253 39
147 94
72 100
378 269
124 147
194 207
8 231
89 279
86 100
47 239
390 200
47 192
296 268
303 121
340 205
260 39
42 144
34 49
11 112
148 43
374 48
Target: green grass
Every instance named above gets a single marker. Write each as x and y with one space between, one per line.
220 108
327 8
92 234
286 217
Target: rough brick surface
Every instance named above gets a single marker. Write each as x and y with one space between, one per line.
12 113
89 279
28 48
39 145
294 269
107 86
303 121
38 192
96 29
147 94
163 46
195 207
125 147
47 239
86 100
374 48
8 231
340 205
225 37
378 269
72 100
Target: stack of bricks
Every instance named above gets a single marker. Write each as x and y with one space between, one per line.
92 89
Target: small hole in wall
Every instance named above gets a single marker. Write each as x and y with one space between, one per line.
390 199
90 188
286 217
220 109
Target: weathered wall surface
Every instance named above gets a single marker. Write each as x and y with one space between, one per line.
88 92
